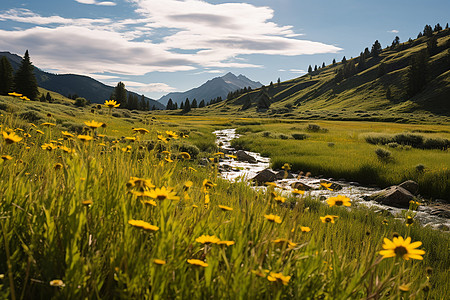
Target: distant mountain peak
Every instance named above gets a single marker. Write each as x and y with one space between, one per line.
213 88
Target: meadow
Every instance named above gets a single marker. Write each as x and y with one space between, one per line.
124 210
341 150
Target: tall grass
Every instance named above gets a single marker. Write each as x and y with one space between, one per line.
71 223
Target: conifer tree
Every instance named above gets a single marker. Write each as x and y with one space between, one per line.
278 81
194 103
6 76
376 49
417 73
24 81
120 94
432 45
438 27
334 61
323 65
361 62
428 31
309 69
182 105
175 106
446 26
201 104
344 60
187 106
48 97
366 53
169 105
315 68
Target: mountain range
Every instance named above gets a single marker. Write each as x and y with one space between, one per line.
216 87
70 84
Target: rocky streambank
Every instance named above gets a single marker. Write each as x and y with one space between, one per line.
254 168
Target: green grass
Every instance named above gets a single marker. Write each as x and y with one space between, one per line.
349 156
47 233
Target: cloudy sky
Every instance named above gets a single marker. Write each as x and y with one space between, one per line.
159 46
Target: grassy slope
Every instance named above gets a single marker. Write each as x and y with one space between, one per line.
362 96
48 234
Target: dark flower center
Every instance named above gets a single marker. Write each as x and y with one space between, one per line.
161 197
400 251
339 202
328 219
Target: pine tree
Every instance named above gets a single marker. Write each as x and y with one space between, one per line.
323 65
182 105
247 102
438 27
446 26
6 76
169 105
24 81
120 94
278 81
344 60
376 49
315 68
334 61
175 107
366 53
339 75
417 73
48 97
428 31
202 103
395 42
194 103
309 69
419 35
187 106
432 45
361 62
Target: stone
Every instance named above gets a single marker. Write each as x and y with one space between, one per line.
301 186
393 196
440 212
265 176
411 186
334 186
443 227
280 175
243 156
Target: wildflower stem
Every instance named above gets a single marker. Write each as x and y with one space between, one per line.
8 262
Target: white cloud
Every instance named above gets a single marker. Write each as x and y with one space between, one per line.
297 71
102 3
394 31
165 36
149 87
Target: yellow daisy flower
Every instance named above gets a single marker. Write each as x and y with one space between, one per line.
339 201
328 219
143 225
273 218
11 138
402 248
163 193
207 239
197 262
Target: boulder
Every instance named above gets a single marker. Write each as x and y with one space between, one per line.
410 186
265 176
243 156
334 186
393 196
281 174
301 186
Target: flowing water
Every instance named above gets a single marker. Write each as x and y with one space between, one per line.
235 170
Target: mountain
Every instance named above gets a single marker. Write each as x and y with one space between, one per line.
70 84
216 87
372 86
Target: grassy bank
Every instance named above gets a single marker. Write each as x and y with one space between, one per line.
340 150
67 229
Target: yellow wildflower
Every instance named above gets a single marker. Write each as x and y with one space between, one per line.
48 124
11 138
143 225
207 239
278 277
197 262
49 146
67 134
163 193
85 138
172 134
402 248
226 243
305 229
6 157
93 124
159 261
185 155
328 218
273 218
111 104
141 130
57 283
339 201
225 208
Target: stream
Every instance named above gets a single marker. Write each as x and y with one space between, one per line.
234 170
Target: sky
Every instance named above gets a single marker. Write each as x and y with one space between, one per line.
161 46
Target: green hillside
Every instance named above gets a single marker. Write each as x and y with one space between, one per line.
378 90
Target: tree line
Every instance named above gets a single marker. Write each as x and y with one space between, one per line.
23 81
186 106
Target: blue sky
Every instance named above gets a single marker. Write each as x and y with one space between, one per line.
160 46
